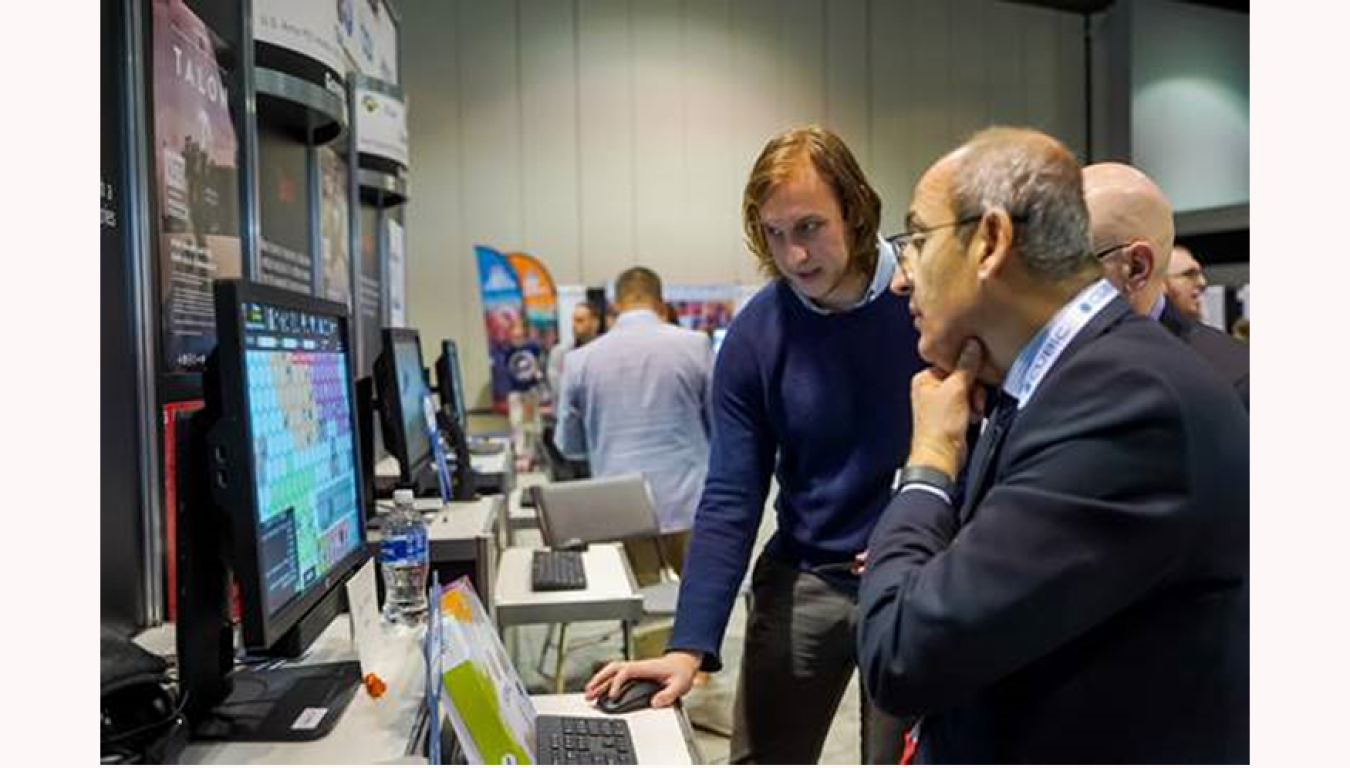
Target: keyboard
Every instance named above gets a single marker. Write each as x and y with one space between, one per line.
583 741
553 571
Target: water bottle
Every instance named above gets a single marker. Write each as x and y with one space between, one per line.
403 561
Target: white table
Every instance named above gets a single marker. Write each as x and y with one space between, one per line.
611 592
660 736
370 730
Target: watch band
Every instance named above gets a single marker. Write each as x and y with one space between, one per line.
928 476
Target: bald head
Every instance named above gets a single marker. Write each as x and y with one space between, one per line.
1131 222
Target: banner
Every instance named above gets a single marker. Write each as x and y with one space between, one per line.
308 28
333 228
367 33
540 297
196 183
284 258
503 313
397 275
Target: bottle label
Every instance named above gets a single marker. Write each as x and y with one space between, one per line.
405 546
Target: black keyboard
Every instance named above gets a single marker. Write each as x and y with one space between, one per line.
552 571
583 741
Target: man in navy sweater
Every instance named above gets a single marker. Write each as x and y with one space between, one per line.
810 384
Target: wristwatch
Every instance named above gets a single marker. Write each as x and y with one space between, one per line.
928 476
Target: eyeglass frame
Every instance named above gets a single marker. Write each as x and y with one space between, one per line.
904 240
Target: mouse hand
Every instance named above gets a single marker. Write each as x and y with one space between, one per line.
674 671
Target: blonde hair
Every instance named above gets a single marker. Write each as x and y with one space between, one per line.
858 202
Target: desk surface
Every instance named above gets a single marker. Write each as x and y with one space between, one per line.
453 529
483 463
370 731
660 736
610 593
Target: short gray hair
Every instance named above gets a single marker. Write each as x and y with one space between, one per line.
1039 183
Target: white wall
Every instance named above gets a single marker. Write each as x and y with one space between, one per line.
598 134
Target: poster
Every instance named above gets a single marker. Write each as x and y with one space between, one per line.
705 308
196 182
368 311
283 213
334 234
397 276
503 315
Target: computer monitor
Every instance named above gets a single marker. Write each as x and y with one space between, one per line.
401 389
277 443
450 382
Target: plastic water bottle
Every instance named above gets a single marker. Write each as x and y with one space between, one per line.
403 561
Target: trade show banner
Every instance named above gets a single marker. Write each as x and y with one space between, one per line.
503 313
367 33
541 299
283 213
397 275
307 28
333 234
197 183
369 307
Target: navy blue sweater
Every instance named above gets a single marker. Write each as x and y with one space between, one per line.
826 397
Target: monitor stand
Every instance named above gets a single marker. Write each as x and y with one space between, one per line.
301 703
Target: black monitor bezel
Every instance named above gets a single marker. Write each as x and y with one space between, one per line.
448 364
234 435
392 419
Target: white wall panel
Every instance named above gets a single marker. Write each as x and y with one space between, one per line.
550 137
598 134
605 109
659 178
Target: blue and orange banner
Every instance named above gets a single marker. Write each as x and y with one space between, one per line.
520 311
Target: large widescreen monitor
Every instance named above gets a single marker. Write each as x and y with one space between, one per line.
282 462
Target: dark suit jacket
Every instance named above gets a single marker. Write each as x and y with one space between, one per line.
1089 601
1229 356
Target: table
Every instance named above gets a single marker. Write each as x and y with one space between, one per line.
370 730
660 736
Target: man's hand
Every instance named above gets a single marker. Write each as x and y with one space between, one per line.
675 671
943 405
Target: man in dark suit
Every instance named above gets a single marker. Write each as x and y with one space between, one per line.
1088 601
1132 236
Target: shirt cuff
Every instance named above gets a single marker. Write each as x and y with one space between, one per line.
933 489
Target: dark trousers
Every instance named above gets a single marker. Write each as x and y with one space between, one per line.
799 654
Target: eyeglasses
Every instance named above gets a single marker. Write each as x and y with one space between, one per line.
915 239
1104 253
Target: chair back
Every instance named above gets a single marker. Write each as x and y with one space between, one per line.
596 510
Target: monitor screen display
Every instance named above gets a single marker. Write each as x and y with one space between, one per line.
412 391
297 378
451 381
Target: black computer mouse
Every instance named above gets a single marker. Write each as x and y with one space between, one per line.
634 695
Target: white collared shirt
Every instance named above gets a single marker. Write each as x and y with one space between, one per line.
881 282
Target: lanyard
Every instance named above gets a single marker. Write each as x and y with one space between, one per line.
1036 358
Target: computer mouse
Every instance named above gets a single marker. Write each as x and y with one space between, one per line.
634 695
